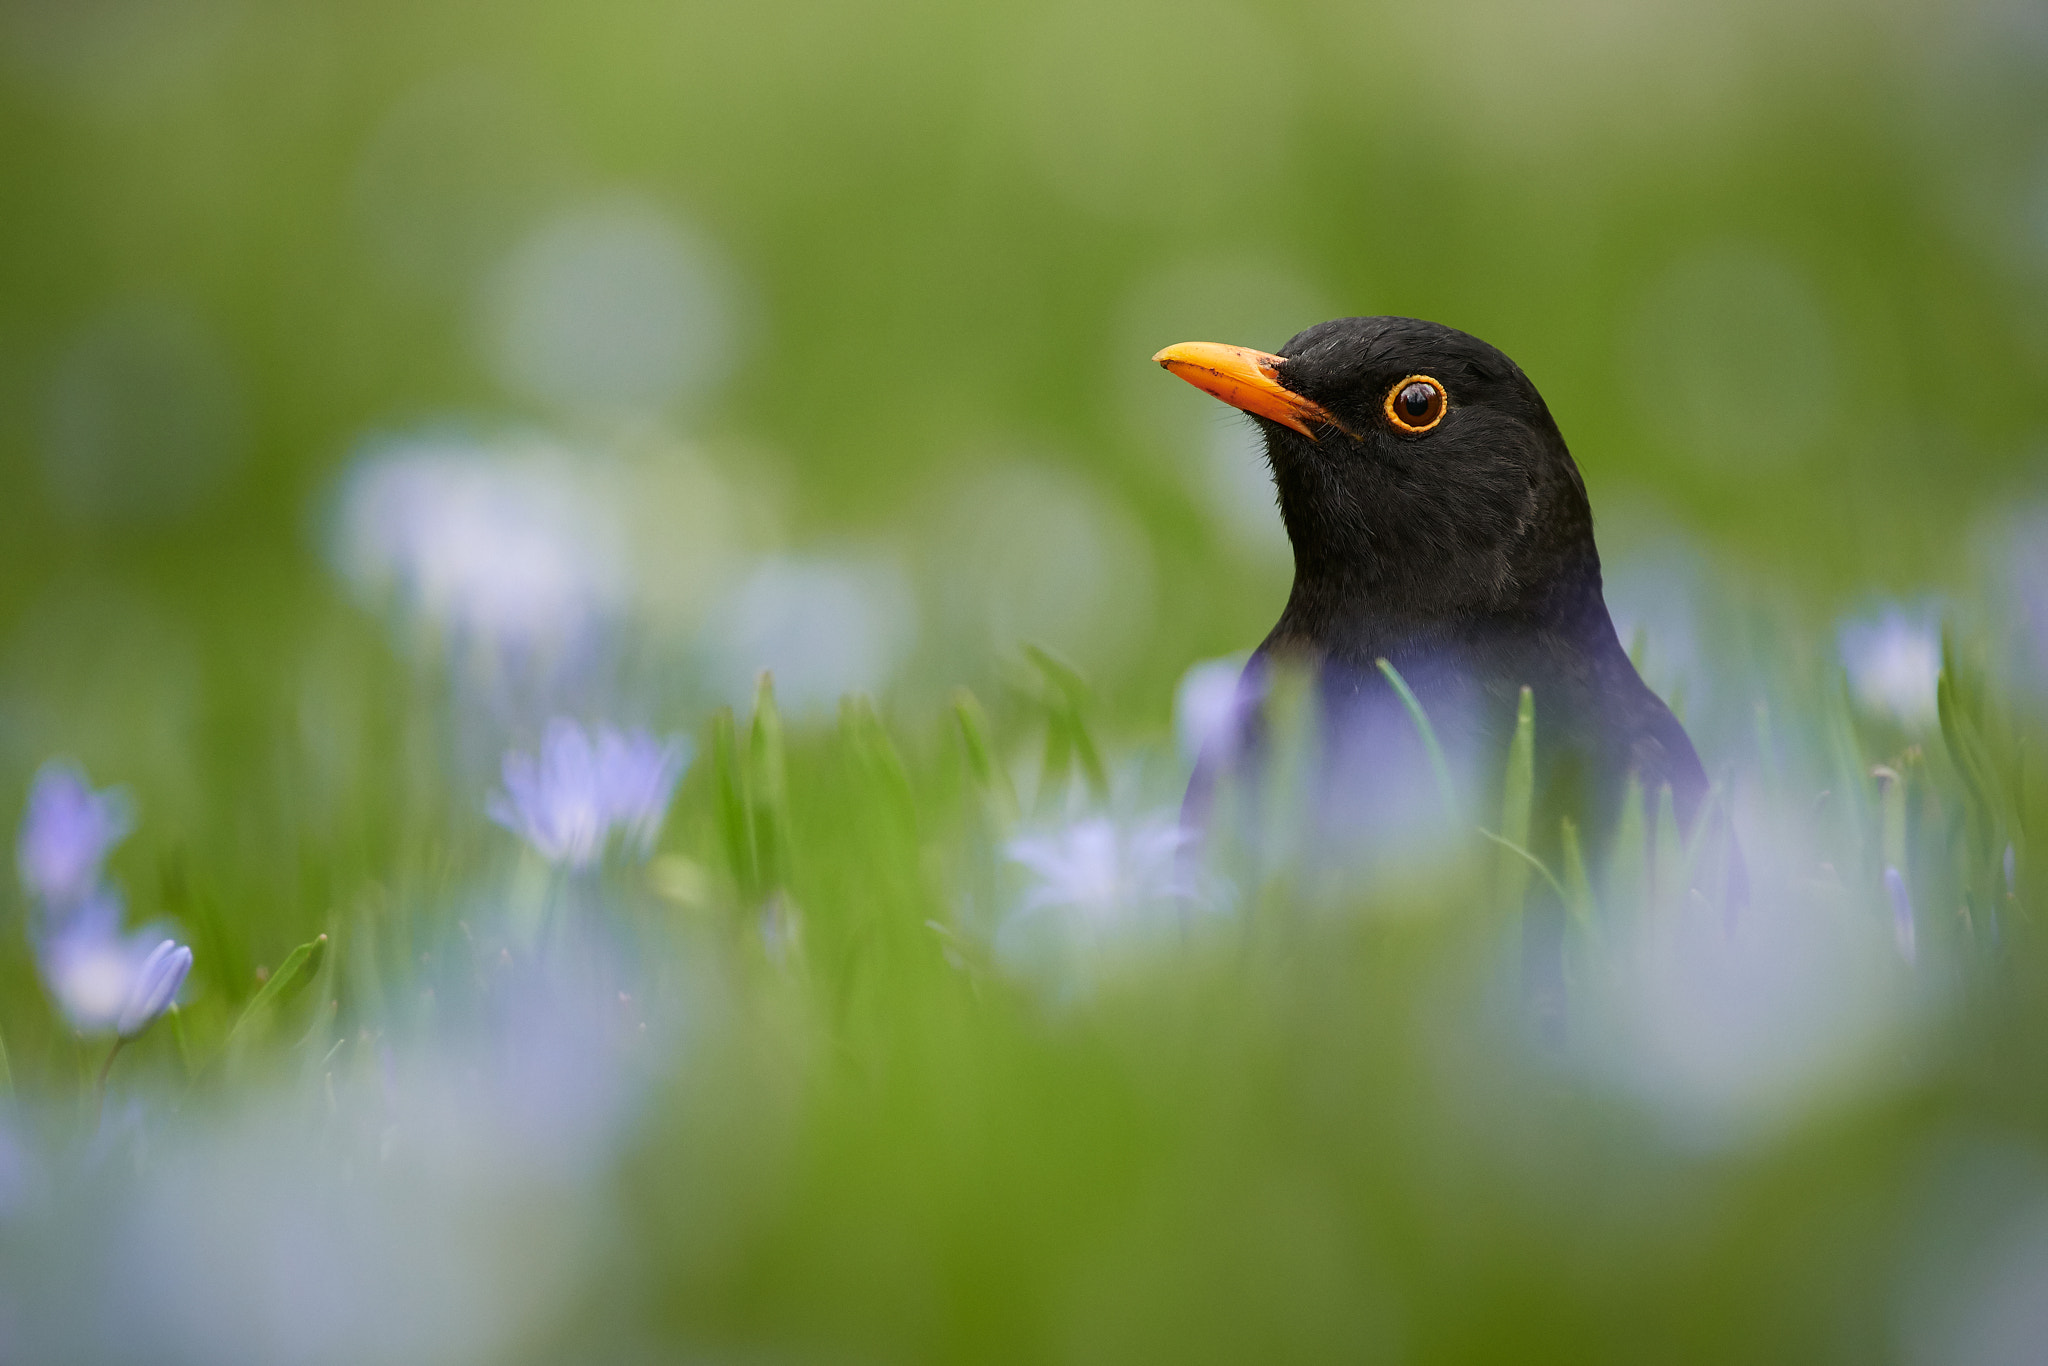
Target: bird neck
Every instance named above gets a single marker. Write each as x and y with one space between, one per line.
1369 606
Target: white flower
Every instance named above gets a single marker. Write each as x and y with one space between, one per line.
823 626
503 548
1099 890
1894 664
1093 868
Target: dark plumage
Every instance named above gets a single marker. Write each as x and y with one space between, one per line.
1462 553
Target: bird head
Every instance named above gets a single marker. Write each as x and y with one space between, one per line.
1413 462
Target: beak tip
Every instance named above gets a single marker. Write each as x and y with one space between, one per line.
1245 379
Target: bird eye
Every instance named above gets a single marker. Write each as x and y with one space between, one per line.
1416 404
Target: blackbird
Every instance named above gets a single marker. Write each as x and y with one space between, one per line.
1439 524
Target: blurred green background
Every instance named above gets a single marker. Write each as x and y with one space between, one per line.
1779 269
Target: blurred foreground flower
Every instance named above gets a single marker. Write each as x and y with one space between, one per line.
101 978
568 800
448 1203
105 980
1207 708
1100 872
1735 1034
156 985
824 626
1098 890
67 833
1894 663
508 549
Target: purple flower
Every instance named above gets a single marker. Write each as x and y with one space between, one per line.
551 801
103 979
155 987
1894 663
568 800
67 833
637 776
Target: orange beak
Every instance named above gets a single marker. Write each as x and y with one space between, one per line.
1245 379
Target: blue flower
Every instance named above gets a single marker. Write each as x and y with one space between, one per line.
551 801
567 801
101 978
105 980
67 833
154 987
636 776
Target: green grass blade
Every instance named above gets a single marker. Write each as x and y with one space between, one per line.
1628 863
1968 752
1578 893
880 763
1891 797
768 788
181 1037
990 775
1668 853
1851 773
1438 765
1704 833
1518 791
1767 745
1090 758
1055 766
1067 738
729 801
1066 680
1527 860
293 974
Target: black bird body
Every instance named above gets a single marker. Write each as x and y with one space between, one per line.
1459 549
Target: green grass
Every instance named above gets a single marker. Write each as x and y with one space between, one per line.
788 1099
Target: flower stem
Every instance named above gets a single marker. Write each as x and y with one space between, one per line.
99 1094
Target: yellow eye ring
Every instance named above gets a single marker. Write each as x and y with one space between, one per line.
1416 403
